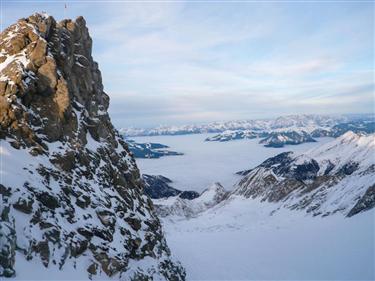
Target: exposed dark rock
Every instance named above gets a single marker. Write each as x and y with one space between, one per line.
83 201
349 168
158 187
134 223
190 195
366 202
306 171
4 191
8 247
92 269
24 205
42 248
48 200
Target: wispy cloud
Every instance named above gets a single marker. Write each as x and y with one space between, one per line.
193 62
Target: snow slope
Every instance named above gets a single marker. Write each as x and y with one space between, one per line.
241 241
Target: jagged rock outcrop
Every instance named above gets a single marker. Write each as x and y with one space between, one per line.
70 188
157 186
338 176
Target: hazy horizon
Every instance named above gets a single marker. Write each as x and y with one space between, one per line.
118 126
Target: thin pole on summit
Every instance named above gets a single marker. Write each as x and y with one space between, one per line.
65 8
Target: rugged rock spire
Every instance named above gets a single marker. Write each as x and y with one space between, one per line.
71 191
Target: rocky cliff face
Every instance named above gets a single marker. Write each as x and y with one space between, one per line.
71 192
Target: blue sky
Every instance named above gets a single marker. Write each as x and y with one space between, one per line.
184 62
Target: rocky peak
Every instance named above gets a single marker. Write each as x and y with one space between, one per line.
47 73
71 190
212 195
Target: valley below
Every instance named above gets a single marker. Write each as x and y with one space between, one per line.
222 235
204 163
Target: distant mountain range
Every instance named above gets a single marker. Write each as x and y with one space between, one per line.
269 139
306 122
281 137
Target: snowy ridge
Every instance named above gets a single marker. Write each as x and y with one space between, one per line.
350 147
336 177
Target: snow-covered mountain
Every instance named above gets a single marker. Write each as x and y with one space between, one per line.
284 136
72 202
180 207
279 139
306 122
150 150
336 177
236 135
268 139
276 138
